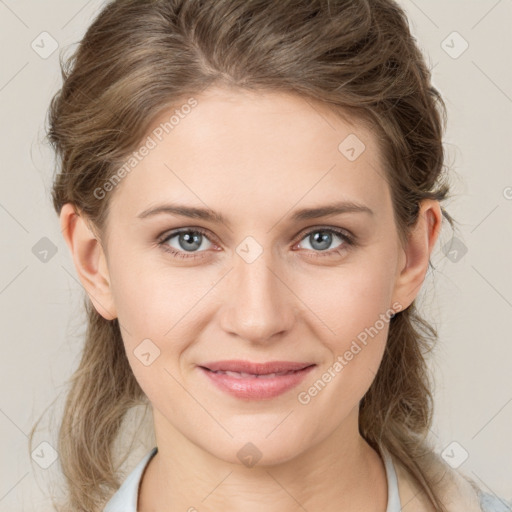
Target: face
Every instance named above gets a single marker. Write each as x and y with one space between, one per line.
265 284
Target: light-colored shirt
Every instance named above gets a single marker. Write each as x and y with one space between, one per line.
126 497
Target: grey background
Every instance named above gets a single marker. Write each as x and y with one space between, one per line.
468 297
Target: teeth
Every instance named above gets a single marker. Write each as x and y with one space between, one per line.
244 375
241 375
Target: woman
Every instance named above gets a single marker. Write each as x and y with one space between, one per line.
250 191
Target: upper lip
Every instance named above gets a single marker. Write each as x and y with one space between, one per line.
255 368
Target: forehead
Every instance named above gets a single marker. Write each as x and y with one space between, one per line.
249 152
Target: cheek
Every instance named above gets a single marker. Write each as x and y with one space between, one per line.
150 295
352 308
350 298
160 310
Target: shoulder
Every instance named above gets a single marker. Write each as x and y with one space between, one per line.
457 491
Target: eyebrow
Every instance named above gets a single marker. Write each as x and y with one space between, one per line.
299 215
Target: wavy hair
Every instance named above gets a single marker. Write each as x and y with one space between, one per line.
138 58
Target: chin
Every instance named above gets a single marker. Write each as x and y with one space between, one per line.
260 451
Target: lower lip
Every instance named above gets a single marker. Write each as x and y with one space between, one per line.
257 388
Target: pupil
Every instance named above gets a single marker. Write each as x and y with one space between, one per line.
325 239
191 239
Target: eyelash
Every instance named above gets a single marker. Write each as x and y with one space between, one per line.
348 242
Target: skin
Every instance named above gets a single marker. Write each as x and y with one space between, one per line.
255 158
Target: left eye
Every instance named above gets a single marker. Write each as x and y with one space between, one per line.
322 238
191 241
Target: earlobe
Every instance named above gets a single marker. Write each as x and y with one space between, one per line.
420 244
89 259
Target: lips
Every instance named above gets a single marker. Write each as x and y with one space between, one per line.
255 381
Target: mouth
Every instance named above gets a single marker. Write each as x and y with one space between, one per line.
258 369
256 381
244 375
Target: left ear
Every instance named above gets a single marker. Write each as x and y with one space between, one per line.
420 243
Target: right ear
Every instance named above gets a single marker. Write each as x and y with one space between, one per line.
89 258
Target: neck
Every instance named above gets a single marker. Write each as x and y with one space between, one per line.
332 475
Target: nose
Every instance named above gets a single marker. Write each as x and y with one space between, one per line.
260 304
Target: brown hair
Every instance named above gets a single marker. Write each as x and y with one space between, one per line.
141 57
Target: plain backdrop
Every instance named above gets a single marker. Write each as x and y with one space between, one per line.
468 296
